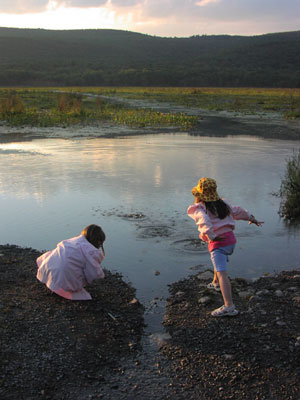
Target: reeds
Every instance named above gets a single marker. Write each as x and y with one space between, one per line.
290 190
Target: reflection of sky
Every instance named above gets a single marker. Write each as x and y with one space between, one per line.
51 188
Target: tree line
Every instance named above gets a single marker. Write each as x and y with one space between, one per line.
37 57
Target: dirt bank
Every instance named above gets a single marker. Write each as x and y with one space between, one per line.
52 348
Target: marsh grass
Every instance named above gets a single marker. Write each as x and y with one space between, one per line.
244 100
82 105
290 190
51 107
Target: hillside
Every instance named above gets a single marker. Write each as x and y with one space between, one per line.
38 57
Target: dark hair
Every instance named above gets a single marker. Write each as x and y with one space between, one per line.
218 208
94 234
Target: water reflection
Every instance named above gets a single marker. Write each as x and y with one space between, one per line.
51 188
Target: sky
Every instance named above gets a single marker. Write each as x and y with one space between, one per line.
170 18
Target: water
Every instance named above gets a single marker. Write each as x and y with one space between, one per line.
138 190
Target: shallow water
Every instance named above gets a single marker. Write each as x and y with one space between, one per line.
138 190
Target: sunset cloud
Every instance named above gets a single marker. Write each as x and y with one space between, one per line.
157 17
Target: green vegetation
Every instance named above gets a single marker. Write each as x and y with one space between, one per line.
37 57
44 107
86 105
244 100
290 190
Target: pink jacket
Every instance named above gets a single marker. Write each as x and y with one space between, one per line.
73 264
211 226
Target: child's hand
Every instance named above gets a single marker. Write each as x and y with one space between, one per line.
253 220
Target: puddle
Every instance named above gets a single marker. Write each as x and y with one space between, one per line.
191 245
153 231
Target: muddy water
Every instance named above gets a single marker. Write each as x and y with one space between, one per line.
138 190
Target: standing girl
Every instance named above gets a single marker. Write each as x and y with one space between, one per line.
215 219
73 264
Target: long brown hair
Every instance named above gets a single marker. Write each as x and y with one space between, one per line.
218 208
94 234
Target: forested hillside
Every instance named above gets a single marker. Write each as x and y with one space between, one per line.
37 57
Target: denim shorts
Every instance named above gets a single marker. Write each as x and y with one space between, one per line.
219 257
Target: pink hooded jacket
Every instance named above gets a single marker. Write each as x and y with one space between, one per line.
73 264
210 225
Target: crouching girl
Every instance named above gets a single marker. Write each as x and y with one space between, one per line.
73 264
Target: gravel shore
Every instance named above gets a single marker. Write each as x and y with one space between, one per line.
52 348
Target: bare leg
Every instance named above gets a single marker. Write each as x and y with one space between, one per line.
225 287
215 280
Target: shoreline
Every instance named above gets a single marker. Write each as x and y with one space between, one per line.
56 349
210 123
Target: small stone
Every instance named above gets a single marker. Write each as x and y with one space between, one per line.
275 284
205 275
179 294
245 294
156 273
262 292
254 298
280 323
228 356
279 293
292 289
204 300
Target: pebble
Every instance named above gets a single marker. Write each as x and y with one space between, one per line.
204 300
278 293
245 294
205 275
280 323
262 292
292 289
228 356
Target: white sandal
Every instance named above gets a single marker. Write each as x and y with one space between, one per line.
214 286
225 312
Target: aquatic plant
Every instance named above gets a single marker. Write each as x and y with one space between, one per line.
290 190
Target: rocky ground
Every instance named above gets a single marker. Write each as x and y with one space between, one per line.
255 355
52 348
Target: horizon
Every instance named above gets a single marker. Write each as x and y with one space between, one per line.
126 30
167 18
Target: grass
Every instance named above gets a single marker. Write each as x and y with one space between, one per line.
245 100
290 190
80 105
52 107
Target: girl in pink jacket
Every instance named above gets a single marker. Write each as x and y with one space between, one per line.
215 219
73 264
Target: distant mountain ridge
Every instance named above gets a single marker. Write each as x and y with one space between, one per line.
38 57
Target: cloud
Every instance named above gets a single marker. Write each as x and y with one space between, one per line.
203 3
165 17
81 3
23 7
